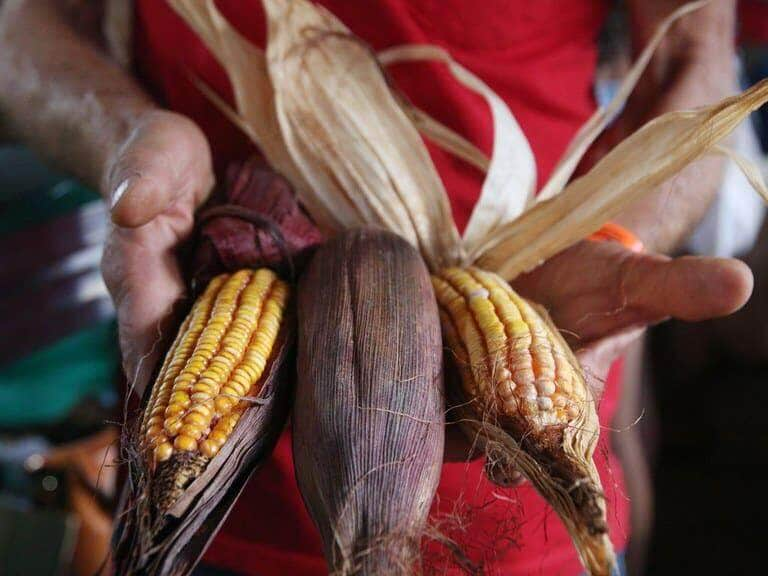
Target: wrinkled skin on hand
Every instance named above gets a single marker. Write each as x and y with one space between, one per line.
155 181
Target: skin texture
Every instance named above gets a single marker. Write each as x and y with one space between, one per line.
56 87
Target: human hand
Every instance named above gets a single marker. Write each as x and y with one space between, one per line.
602 295
155 180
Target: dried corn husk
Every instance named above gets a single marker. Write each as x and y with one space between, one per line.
360 162
368 416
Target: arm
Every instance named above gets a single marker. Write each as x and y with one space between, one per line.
622 291
695 66
61 94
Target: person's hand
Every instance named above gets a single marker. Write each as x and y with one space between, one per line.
601 296
155 181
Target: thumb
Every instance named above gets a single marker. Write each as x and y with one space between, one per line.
165 157
688 288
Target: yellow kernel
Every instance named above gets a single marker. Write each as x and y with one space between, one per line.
173 425
191 430
174 410
201 397
196 419
230 391
218 436
559 400
155 420
208 448
237 389
185 443
163 452
224 404
206 387
181 398
203 408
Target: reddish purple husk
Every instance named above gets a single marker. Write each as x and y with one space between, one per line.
256 222
368 420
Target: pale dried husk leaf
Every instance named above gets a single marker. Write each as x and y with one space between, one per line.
751 171
637 166
354 144
603 116
448 139
510 183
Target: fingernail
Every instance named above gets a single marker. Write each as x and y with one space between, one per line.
118 192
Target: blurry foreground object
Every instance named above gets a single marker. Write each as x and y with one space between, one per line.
57 505
58 334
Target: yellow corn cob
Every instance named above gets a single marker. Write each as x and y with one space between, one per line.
527 401
217 359
510 358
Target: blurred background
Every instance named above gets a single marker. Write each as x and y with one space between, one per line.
690 421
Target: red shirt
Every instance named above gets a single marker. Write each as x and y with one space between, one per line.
540 57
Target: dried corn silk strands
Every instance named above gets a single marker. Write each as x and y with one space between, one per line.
751 171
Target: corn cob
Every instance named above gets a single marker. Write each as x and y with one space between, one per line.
215 363
368 416
526 399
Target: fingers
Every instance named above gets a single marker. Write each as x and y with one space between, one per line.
146 284
597 289
687 288
165 157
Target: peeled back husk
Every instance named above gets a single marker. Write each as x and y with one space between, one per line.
368 415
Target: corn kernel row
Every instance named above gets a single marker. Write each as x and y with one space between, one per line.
511 357
219 355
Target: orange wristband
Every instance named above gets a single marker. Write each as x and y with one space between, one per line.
614 232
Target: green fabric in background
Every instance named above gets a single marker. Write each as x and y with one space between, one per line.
37 206
43 387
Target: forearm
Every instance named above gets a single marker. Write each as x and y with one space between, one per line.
695 67
59 91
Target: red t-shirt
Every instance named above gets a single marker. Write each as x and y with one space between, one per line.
540 57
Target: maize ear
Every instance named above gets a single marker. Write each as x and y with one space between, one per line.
368 419
213 366
526 399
